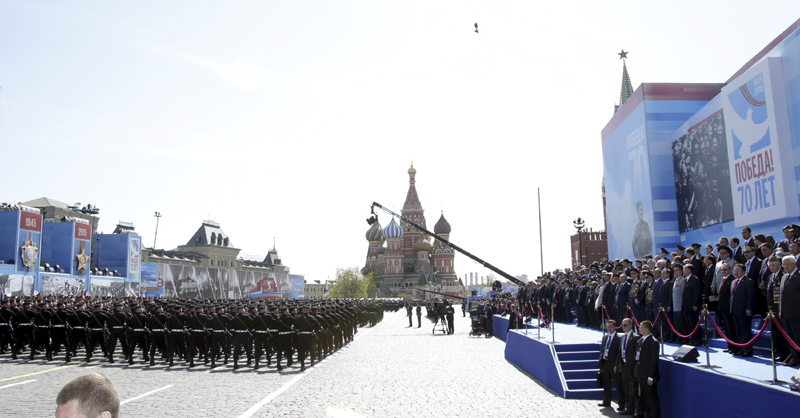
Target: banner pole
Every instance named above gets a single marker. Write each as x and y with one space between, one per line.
775 380
708 354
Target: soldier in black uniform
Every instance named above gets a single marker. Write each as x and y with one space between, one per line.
449 314
219 334
41 332
6 314
137 326
261 335
419 316
283 341
306 327
23 327
319 343
79 333
59 335
240 327
97 330
116 327
176 326
157 324
197 336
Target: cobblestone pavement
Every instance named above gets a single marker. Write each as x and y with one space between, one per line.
388 371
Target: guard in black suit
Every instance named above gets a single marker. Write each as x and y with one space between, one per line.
647 370
753 269
742 297
772 291
789 310
609 351
626 366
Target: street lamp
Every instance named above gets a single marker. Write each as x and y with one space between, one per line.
158 217
579 224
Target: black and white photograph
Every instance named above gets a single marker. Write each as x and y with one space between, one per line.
16 284
212 283
702 175
62 285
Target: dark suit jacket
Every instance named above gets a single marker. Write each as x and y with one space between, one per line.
665 295
754 273
622 298
743 297
608 296
613 352
698 268
790 297
629 365
738 254
692 294
647 366
725 294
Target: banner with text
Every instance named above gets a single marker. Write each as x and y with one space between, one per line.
763 183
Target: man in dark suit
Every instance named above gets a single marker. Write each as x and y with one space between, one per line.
665 301
747 238
753 269
752 264
789 310
622 299
738 251
647 370
742 297
626 366
772 293
609 294
609 351
724 310
692 302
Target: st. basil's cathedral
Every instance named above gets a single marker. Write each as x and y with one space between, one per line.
409 259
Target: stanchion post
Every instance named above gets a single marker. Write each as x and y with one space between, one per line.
539 318
663 314
552 321
774 380
708 352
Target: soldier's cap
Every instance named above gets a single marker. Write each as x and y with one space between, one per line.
722 248
60 303
79 304
664 250
135 307
117 304
305 307
97 306
677 267
787 227
261 307
4 301
648 273
634 269
625 260
43 304
220 308
696 245
680 247
284 308
795 226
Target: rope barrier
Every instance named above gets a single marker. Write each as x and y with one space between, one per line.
734 343
780 328
633 316
609 317
696 328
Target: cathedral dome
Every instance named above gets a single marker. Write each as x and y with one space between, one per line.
423 245
442 227
412 170
393 230
375 232
380 250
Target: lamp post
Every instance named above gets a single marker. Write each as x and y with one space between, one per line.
579 224
158 218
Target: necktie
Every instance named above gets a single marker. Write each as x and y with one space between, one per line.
736 285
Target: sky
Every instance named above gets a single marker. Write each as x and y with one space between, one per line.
284 120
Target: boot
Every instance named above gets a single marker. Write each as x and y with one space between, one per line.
302 365
130 360
152 362
280 367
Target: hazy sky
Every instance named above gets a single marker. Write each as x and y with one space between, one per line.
287 119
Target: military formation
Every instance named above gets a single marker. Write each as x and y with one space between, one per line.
197 332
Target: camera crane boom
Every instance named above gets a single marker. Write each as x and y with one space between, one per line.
374 219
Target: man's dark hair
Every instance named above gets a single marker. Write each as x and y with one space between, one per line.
647 325
95 394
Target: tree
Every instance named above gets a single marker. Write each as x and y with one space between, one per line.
371 285
349 284
489 280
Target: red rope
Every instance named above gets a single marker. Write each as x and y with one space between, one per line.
780 328
735 344
633 316
609 318
544 322
696 328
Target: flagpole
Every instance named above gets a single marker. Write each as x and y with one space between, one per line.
541 246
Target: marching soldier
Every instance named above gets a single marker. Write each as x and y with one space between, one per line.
240 326
59 334
97 329
137 325
176 328
6 314
41 332
283 341
306 327
116 327
157 324
261 334
219 334
79 333
197 336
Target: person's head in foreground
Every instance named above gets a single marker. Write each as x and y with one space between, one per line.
89 396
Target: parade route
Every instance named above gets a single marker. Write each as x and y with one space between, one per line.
387 371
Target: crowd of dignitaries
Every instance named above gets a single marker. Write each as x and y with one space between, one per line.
196 332
736 279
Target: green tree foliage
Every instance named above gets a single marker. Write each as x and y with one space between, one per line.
349 284
371 285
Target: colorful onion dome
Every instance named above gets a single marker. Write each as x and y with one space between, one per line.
442 227
375 232
393 230
380 250
423 245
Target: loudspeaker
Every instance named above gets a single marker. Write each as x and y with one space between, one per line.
686 354
794 382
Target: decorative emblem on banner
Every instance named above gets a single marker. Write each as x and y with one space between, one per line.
82 259
29 253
